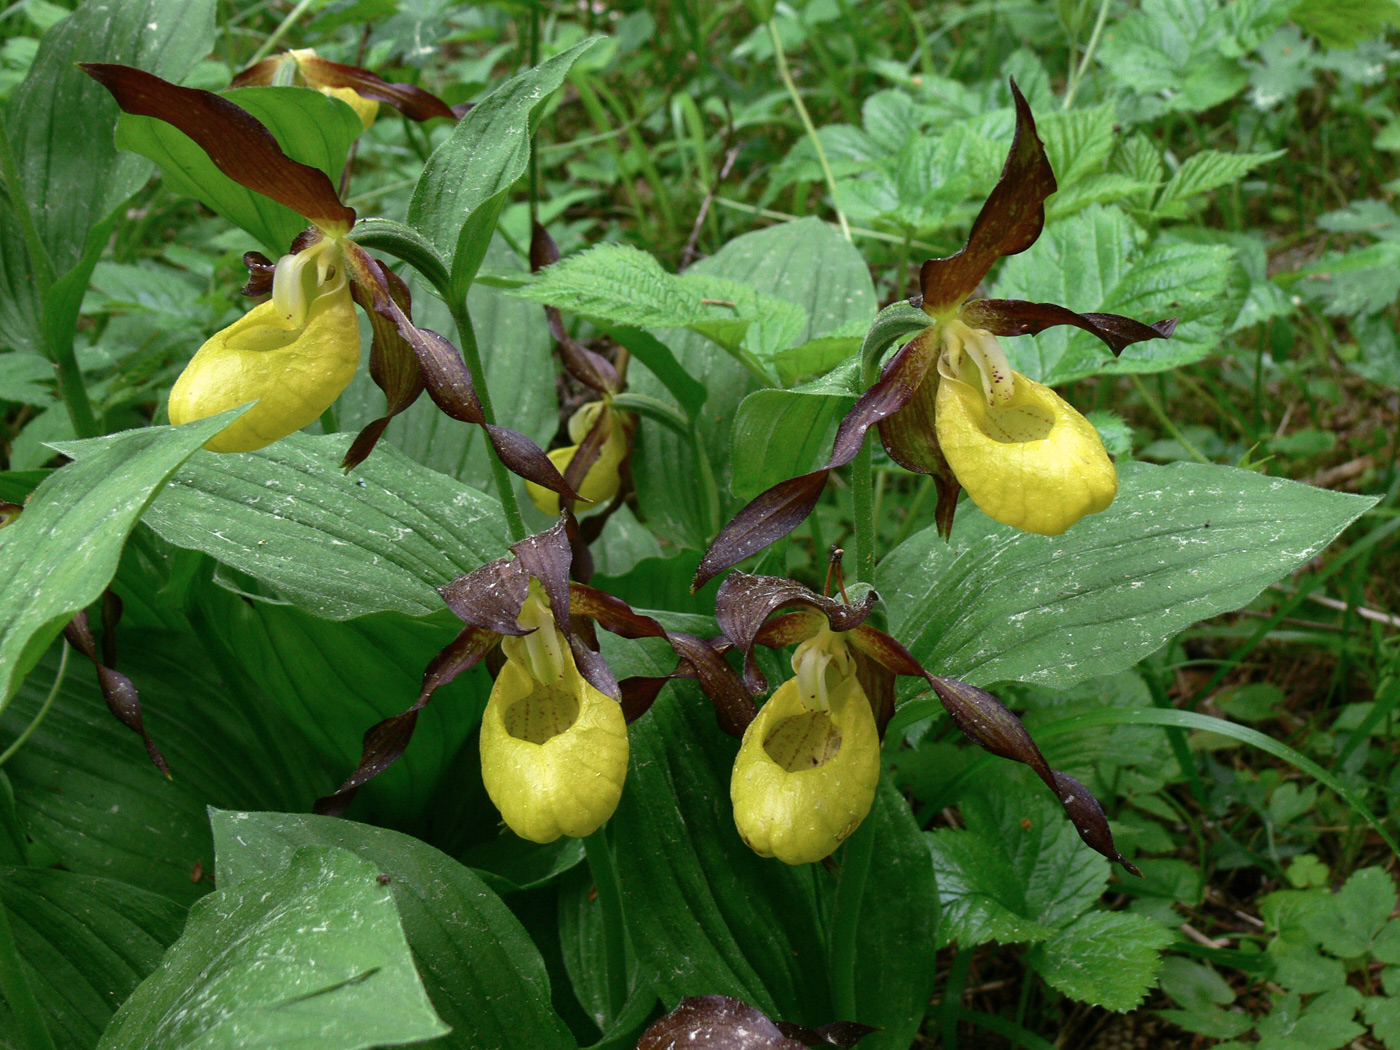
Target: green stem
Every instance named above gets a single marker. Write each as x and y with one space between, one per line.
1087 56
1155 407
863 500
505 488
9 752
292 17
845 921
71 387
33 1034
953 987
786 75
600 865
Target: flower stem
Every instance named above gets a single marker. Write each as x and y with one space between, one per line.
845 922
863 505
600 865
505 489
33 1033
1155 407
786 74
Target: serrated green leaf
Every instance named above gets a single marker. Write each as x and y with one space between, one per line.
1382 1013
1345 23
1019 871
1324 1023
1108 959
85 943
308 957
459 196
480 969
1204 172
1355 914
1077 142
1187 281
1179 544
310 127
339 545
60 554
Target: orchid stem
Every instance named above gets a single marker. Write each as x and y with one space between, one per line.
863 505
845 923
33 1033
471 353
277 34
786 74
600 866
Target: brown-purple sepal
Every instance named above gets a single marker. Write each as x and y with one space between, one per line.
1088 819
238 144
392 364
734 707
990 724
260 273
745 601
592 370
449 381
384 742
1019 317
413 102
490 596
718 1022
1009 222
117 689
772 514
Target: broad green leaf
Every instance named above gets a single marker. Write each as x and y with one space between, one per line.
517 352
1179 544
85 943
310 956
779 434
897 939
88 795
483 974
1357 281
1077 142
1019 871
339 545
60 554
26 378
310 127
1109 959
1326 1021
59 120
1345 23
461 191
1354 915
1204 172
712 916
806 262
334 679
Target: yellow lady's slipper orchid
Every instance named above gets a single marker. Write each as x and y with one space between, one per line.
1023 454
807 770
553 747
603 479
293 355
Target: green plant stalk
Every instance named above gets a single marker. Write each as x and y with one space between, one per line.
471 353
845 920
1155 407
861 231
604 872
863 506
1087 57
9 752
33 1034
951 1009
293 16
786 75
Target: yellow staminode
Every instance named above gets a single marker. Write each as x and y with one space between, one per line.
293 355
1023 453
806 772
553 748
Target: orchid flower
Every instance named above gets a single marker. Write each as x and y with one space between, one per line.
948 403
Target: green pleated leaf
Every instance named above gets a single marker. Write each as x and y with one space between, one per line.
310 127
88 795
1179 544
309 956
63 550
461 191
86 943
482 972
711 916
339 545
